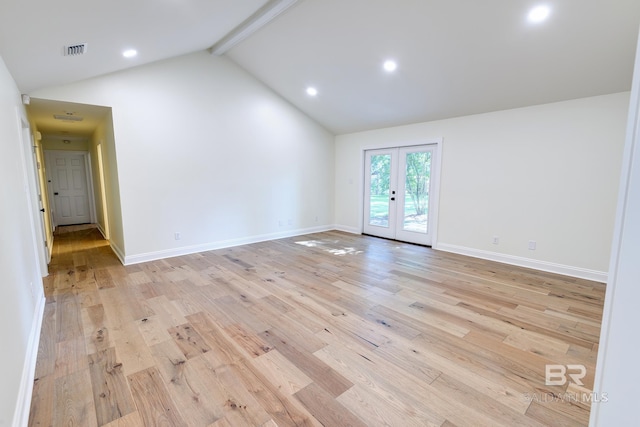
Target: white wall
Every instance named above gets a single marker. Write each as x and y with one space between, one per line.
103 135
206 150
58 144
21 293
547 173
617 373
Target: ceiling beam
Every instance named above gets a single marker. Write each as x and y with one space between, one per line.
259 19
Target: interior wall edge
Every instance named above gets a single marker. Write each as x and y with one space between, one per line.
119 252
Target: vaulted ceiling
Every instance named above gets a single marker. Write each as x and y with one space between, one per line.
454 57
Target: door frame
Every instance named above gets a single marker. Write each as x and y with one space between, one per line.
30 176
434 198
89 178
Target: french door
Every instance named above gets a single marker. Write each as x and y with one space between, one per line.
398 187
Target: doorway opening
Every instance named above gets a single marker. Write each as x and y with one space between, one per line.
79 167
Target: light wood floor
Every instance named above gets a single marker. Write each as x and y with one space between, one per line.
328 329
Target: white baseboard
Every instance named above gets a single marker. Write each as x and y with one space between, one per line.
186 250
566 270
101 230
347 229
23 406
49 249
116 250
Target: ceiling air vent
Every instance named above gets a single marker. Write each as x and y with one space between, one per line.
75 50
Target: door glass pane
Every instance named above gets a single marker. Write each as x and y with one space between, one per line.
416 201
379 191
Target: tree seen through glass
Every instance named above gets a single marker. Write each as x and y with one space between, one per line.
379 190
417 180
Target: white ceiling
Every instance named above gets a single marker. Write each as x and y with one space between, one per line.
34 32
455 57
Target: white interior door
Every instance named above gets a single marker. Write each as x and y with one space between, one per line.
398 188
70 188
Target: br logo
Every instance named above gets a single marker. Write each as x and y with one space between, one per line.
557 374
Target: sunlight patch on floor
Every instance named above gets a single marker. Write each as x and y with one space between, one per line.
339 251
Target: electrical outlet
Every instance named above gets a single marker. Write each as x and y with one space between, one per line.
496 240
176 236
532 245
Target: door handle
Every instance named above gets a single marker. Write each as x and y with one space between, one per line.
42 210
393 198
55 194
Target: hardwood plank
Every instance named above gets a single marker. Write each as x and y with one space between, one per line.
285 410
71 356
546 412
500 413
131 349
152 400
96 332
397 385
537 343
41 413
239 405
111 393
322 374
131 420
250 342
189 341
67 317
236 311
163 307
154 329
224 351
190 383
374 410
298 334
47 349
325 408
399 391
73 403
281 372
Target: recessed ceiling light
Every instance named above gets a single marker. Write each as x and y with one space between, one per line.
312 91
390 66
129 53
539 14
